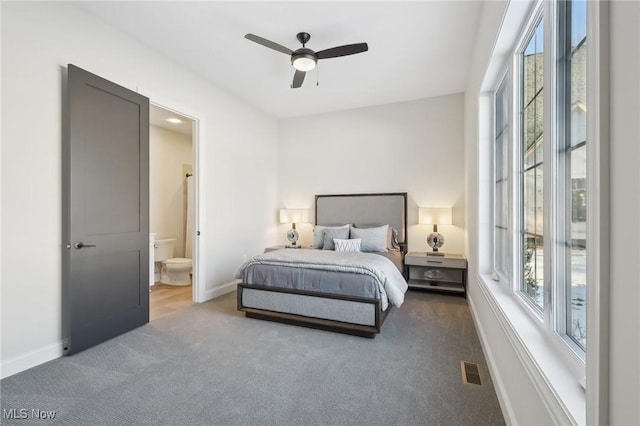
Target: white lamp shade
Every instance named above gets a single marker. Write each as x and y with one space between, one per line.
294 215
434 215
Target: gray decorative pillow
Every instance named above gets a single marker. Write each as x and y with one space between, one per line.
318 234
373 239
331 233
392 236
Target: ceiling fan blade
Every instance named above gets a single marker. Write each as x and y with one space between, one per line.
348 49
268 43
298 78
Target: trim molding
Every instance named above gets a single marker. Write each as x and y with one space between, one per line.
598 226
556 408
32 359
220 291
56 350
496 375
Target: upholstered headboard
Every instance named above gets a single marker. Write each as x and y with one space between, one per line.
364 210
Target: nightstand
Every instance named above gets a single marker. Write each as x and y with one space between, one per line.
446 273
273 248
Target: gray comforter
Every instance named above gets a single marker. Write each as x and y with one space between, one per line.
389 280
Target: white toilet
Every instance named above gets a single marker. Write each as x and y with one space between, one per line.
173 270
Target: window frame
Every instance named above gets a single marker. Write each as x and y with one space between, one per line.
537 17
566 149
541 357
552 318
505 84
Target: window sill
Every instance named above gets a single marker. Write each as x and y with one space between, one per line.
554 379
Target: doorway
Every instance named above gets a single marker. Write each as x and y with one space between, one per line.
172 210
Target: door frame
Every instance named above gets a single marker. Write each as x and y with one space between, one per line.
161 101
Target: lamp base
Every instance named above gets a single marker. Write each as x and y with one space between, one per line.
292 236
435 241
293 246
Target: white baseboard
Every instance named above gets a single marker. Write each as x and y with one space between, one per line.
56 350
32 359
496 377
219 291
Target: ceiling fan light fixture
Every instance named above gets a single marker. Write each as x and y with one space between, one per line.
304 62
304 59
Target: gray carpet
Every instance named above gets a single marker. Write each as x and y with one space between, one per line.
209 365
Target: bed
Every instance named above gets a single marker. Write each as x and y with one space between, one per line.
332 289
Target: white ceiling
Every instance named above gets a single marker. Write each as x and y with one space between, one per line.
159 117
416 49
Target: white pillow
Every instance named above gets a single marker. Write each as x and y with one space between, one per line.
318 234
373 239
350 246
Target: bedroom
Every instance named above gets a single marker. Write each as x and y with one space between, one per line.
31 71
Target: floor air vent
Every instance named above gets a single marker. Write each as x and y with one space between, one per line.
470 373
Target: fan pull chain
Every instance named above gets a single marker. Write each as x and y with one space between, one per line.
317 76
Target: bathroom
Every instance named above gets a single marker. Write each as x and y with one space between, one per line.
171 211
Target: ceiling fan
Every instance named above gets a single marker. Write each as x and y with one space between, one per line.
304 59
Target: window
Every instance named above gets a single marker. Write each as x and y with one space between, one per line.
502 253
575 147
532 149
547 198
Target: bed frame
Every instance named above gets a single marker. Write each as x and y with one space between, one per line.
359 316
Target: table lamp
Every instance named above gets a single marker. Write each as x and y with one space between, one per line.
434 216
293 216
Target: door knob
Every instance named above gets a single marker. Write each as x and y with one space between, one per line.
79 245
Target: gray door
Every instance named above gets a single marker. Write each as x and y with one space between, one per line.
106 210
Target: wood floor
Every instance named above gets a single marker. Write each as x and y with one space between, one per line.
165 299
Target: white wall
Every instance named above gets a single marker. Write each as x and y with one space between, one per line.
520 400
415 147
237 167
168 153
